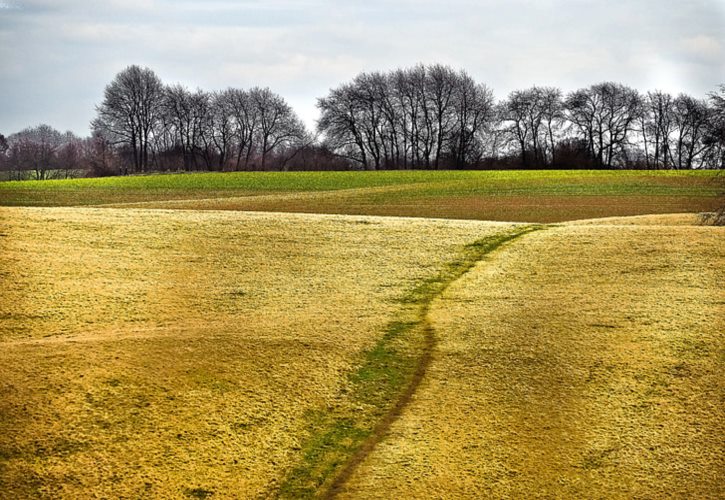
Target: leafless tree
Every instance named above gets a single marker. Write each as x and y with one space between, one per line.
474 112
339 122
184 117
130 112
34 150
3 150
716 129
221 126
245 123
605 116
533 120
422 117
441 91
279 126
716 152
524 116
100 157
71 156
690 121
656 128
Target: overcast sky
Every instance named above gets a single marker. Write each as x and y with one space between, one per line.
56 56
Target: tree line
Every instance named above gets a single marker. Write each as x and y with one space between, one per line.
434 117
423 117
159 126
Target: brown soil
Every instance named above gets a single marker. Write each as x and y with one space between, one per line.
539 208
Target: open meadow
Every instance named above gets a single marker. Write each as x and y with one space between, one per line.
262 335
529 196
585 361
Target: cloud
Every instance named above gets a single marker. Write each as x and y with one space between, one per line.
702 46
58 54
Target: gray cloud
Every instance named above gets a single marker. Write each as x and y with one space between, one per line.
58 55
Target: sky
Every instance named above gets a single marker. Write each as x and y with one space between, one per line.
56 56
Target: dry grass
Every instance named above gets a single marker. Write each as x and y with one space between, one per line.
169 354
581 362
158 353
645 220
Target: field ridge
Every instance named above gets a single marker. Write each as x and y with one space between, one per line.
384 384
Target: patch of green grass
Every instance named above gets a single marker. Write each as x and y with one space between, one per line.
414 185
385 369
333 441
198 493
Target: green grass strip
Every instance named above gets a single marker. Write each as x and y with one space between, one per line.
413 183
382 385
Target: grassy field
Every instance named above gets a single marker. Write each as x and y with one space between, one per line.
165 353
580 362
531 196
157 342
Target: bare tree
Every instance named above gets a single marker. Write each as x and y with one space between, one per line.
221 125
183 119
366 90
656 128
553 118
70 157
441 89
605 116
203 127
100 156
3 149
534 119
339 123
420 117
474 111
279 126
130 112
716 129
690 121
524 117
716 152
34 150
245 124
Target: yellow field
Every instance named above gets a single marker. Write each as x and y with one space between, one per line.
185 354
171 354
583 361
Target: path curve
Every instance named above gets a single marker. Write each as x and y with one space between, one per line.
482 248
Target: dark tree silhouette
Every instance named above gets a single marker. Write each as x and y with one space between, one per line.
605 116
130 112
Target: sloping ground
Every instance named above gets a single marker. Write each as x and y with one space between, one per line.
407 201
583 361
664 219
168 354
524 196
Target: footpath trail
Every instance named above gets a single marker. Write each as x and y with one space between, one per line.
384 384
477 251
583 361
174 354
